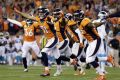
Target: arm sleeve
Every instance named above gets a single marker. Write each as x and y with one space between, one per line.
15 22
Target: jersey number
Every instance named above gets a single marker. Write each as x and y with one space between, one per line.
28 32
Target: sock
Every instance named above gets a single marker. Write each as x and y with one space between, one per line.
75 67
102 65
58 61
98 69
25 63
82 66
58 67
44 59
47 68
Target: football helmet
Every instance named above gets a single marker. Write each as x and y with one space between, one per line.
43 12
57 13
78 14
68 16
29 21
102 14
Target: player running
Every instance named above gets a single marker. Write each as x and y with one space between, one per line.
44 21
88 30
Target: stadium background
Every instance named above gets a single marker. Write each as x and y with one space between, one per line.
91 8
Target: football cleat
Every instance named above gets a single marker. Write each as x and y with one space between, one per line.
25 70
58 72
78 72
101 77
82 72
46 73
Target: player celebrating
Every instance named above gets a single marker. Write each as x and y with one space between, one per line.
60 24
29 39
44 21
102 55
89 31
77 49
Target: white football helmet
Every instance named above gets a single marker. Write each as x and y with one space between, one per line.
102 14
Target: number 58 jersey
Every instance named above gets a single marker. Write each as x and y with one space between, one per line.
29 35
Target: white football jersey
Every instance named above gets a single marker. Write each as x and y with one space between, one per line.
101 29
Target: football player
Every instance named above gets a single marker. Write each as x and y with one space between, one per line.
45 22
77 49
89 31
102 55
65 51
29 39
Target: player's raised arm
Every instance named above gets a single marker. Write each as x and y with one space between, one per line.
102 15
25 14
14 22
96 24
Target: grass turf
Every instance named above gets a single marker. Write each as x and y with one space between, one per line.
16 73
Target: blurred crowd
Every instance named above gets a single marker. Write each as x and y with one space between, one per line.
91 8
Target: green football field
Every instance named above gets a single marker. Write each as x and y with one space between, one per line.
16 73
